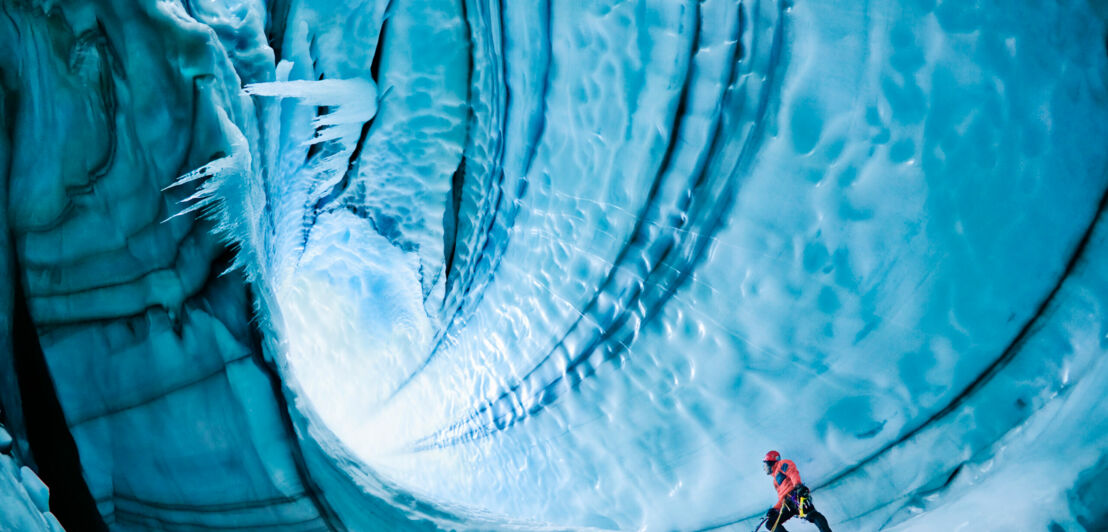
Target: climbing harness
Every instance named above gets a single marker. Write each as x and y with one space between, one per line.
800 500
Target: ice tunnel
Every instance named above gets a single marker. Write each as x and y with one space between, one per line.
552 264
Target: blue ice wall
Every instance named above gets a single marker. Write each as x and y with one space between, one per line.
487 265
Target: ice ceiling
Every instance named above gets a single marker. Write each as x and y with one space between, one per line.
554 264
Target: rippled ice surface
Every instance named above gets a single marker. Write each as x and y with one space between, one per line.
559 265
688 233
570 264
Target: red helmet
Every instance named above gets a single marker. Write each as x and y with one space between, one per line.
772 456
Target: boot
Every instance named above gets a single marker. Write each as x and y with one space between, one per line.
817 519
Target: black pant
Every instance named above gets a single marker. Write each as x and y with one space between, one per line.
789 509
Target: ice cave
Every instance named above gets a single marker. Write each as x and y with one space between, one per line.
326 265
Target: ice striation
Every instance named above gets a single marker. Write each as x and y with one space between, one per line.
399 264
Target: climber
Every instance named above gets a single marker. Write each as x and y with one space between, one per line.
793 498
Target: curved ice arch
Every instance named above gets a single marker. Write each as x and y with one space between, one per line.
583 263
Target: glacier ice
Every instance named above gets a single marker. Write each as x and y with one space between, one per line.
392 264
23 497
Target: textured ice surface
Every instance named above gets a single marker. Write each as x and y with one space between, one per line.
380 264
24 499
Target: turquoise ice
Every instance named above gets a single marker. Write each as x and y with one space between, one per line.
397 264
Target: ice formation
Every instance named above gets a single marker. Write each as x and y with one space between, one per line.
392 264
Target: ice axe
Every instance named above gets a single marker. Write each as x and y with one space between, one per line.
759 525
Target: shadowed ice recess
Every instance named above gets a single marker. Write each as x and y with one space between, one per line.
480 264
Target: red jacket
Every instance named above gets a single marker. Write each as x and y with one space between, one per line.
785 478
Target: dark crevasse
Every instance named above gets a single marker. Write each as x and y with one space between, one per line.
55 453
